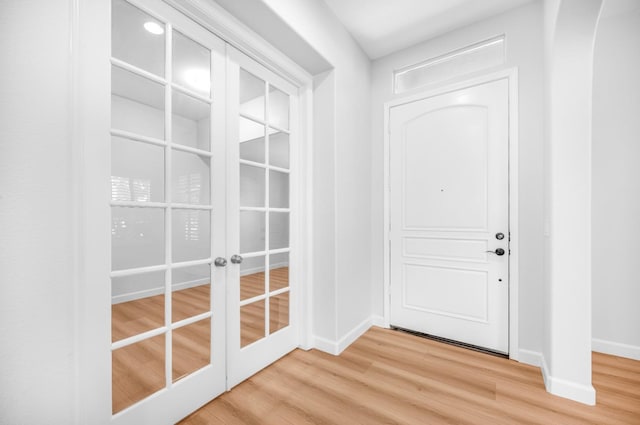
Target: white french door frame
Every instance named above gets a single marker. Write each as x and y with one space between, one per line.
90 50
511 75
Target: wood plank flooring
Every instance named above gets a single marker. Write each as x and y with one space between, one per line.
387 377
138 369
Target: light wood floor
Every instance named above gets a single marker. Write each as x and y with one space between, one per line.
387 377
139 370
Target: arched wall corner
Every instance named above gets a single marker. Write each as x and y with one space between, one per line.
570 33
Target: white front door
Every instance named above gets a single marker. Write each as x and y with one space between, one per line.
449 215
262 127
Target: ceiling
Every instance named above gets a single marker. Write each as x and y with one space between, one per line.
382 27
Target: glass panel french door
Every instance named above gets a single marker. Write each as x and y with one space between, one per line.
168 213
262 325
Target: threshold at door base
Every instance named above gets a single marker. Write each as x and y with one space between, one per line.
452 342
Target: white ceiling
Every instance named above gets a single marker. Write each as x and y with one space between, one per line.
382 27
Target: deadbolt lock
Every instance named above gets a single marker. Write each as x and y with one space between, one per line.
499 236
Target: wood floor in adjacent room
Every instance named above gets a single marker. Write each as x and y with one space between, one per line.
388 377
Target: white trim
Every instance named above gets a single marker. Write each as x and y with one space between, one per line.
220 22
585 394
305 206
616 349
136 295
532 358
337 347
377 320
253 270
511 74
325 345
354 334
545 370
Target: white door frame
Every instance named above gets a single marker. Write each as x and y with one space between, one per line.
511 75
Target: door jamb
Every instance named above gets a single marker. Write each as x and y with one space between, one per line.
511 75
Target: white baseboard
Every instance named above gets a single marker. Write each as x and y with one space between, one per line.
616 349
131 296
584 394
325 345
354 334
337 347
378 321
532 358
253 270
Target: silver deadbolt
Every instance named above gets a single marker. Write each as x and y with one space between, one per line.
220 262
236 259
499 236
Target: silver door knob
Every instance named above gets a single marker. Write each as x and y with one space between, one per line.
498 251
236 259
220 262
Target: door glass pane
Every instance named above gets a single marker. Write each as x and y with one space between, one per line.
190 175
137 304
278 108
252 91
278 271
252 277
132 32
137 237
278 230
137 372
278 189
137 104
252 231
191 238
190 291
191 125
191 348
279 150
252 186
191 64
278 312
251 140
252 318
137 171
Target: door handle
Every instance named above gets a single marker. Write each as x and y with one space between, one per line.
236 259
498 251
220 262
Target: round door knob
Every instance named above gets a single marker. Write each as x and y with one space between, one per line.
220 262
499 251
236 259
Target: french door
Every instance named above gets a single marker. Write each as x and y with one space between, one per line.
201 216
262 319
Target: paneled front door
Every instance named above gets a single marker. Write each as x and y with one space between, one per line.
449 215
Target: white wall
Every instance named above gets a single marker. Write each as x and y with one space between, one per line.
37 356
616 184
523 30
342 152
